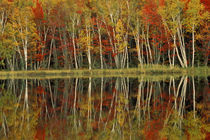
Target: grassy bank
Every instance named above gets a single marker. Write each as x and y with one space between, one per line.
145 71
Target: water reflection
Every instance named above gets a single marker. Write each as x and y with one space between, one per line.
104 108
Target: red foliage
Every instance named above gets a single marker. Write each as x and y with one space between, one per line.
207 136
39 57
161 3
38 11
79 12
114 54
206 3
150 13
40 133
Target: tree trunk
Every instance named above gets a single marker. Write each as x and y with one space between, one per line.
138 47
25 57
100 44
180 60
50 53
25 47
88 51
74 46
182 45
193 44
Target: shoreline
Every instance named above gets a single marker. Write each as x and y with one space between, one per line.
151 71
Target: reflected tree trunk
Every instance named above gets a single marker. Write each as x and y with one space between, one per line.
119 105
89 100
183 96
75 101
101 98
51 96
26 102
177 92
193 82
138 103
149 99
65 95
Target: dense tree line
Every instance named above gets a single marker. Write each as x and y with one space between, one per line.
75 34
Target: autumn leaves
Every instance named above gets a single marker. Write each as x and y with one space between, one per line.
62 34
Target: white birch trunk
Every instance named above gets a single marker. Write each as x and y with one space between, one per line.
193 44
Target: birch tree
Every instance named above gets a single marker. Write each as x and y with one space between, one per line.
171 13
194 15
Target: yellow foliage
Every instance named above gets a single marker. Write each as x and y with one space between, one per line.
120 33
171 13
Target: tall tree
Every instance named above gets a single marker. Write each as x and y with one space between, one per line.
194 15
171 12
25 36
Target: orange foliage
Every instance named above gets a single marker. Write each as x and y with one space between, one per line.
38 11
40 134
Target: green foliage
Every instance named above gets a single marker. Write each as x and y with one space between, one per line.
194 15
172 130
195 126
7 43
19 123
170 13
6 52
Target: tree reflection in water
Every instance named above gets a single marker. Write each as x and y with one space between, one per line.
104 108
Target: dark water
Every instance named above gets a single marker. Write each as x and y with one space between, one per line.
104 108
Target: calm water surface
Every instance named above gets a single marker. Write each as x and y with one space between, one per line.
104 108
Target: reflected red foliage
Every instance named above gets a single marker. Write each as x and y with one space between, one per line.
152 129
207 136
40 133
40 90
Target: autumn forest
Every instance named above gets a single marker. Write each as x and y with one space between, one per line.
104 69
103 34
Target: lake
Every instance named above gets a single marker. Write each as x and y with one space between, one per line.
105 108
